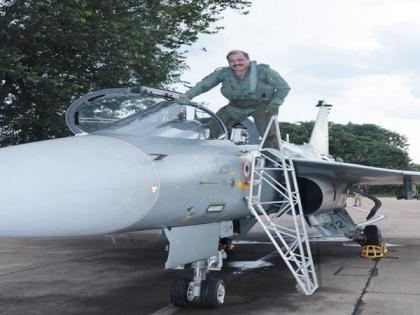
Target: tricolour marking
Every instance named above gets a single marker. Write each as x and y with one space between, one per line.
246 170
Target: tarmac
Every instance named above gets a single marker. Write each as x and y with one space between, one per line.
125 274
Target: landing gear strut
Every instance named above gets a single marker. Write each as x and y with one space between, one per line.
226 245
207 292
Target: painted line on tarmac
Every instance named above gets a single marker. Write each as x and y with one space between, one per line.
166 310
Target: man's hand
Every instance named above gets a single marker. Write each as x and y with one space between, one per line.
183 99
272 109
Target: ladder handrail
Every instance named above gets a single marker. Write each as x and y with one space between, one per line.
288 241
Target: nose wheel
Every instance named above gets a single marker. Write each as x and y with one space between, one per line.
213 293
199 291
179 292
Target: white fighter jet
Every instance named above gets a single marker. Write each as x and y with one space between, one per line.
139 160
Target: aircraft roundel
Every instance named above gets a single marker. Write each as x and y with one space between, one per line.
246 170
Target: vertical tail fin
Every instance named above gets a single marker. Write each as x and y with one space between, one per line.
319 135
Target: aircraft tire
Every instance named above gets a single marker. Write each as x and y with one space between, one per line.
213 293
372 235
179 292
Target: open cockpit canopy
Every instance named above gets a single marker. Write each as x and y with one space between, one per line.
143 111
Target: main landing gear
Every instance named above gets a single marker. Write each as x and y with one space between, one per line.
372 244
200 291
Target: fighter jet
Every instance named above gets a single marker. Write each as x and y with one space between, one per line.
140 160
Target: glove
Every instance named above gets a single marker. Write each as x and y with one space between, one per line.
272 109
183 99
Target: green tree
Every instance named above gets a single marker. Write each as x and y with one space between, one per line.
53 51
299 133
369 144
378 134
365 144
414 167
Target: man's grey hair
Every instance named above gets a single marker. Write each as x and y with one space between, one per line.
233 52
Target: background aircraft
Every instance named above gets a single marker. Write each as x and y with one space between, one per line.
139 160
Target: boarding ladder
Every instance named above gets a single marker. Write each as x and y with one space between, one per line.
272 170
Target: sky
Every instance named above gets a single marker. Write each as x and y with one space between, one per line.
361 56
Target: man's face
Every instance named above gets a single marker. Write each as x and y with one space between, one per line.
238 62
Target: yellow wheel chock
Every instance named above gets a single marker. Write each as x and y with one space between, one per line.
374 251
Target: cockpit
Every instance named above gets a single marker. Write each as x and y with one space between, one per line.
143 111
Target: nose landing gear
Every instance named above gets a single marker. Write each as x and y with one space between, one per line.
200 291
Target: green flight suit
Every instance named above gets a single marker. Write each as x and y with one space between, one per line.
258 94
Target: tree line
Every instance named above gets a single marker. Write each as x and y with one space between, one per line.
365 144
54 51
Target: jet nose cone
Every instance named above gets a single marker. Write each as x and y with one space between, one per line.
74 186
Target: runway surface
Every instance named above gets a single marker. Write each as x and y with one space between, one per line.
94 275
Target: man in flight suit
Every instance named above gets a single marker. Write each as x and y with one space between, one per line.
252 90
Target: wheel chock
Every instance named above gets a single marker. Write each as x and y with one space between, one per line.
374 251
